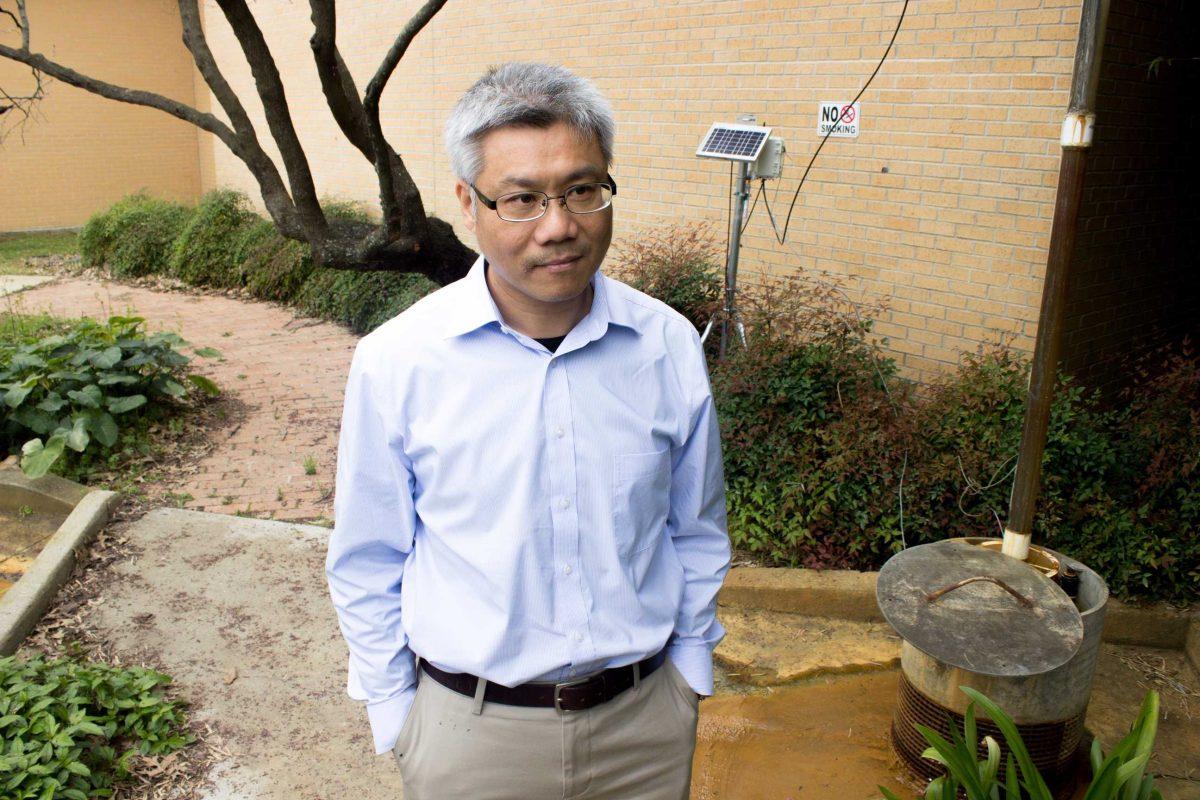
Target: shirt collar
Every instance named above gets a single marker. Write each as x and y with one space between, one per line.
474 307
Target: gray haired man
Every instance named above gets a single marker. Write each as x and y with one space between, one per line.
530 513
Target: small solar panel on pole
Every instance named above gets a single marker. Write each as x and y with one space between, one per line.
742 142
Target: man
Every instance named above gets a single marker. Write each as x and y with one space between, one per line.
530 513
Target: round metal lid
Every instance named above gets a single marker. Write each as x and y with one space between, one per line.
978 609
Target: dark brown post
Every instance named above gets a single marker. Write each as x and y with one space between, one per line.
1076 140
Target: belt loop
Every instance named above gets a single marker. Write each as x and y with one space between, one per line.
637 676
480 688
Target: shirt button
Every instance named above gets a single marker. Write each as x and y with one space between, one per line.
578 637
567 569
559 432
564 503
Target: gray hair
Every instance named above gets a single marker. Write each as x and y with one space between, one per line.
533 95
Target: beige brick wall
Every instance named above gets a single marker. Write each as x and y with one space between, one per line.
963 116
81 152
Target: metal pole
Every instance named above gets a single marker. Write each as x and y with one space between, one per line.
1076 140
741 194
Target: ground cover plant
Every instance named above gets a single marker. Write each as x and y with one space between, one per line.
74 391
69 728
1121 775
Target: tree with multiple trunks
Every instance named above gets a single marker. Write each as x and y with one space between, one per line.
406 240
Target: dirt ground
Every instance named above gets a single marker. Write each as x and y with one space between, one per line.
237 611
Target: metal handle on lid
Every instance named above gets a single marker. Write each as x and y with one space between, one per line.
1022 599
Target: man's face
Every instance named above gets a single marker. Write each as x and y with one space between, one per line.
527 258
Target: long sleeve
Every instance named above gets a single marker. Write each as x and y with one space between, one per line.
698 528
374 528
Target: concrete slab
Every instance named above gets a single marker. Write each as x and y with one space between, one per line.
214 596
765 648
10 284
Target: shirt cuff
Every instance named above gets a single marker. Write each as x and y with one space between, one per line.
387 718
694 662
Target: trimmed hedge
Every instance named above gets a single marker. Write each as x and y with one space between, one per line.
225 245
209 249
134 237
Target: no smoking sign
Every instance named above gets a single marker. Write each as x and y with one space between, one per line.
838 120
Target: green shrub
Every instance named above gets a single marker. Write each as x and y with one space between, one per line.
210 247
360 300
679 266
134 236
70 729
808 430
274 267
79 388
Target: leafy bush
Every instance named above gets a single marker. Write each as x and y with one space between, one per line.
274 267
70 729
1119 776
72 388
807 429
134 236
680 266
209 249
833 460
361 300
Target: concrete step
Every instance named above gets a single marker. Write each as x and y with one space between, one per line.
769 648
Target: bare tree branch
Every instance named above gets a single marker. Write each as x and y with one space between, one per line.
336 81
119 93
279 119
275 195
402 207
408 241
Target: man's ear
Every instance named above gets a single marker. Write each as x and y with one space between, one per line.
466 202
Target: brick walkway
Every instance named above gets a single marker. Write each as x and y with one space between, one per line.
289 371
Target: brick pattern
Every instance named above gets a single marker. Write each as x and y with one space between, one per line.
942 206
290 373
1134 282
80 152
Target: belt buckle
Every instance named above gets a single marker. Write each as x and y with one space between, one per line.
558 687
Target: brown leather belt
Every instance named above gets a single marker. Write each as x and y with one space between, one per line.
575 695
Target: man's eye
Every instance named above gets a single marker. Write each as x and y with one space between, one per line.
583 191
521 199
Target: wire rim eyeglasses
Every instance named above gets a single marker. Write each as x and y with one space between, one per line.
529 205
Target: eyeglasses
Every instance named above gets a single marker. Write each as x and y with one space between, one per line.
583 198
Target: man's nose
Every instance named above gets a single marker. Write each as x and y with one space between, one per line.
557 223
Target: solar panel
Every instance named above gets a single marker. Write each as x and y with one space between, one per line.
733 142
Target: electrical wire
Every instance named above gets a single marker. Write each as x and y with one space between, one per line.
782 237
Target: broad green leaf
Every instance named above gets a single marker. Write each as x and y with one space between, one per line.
78 438
107 358
39 458
124 380
35 420
89 396
205 385
103 427
119 405
52 402
16 395
170 387
207 352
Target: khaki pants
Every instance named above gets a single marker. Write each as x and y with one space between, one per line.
637 746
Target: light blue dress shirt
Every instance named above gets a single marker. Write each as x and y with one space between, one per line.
524 515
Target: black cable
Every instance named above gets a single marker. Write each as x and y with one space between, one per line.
803 177
750 213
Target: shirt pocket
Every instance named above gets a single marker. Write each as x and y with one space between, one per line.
641 499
